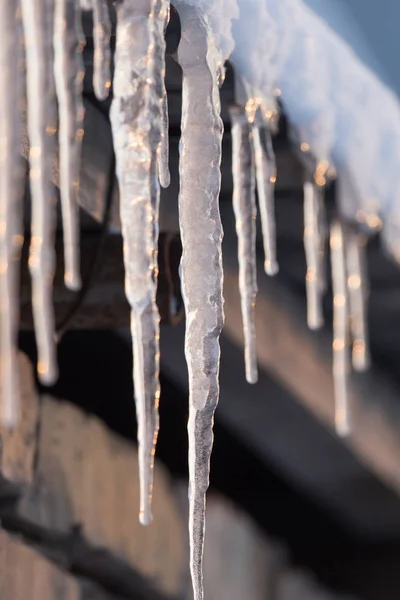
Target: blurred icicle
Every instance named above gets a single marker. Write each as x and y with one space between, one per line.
38 22
341 356
358 297
266 178
11 194
136 123
102 50
244 205
201 264
68 75
163 155
314 244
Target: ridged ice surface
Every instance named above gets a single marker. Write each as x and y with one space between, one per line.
136 115
68 75
244 205
11 187
38 22
201 264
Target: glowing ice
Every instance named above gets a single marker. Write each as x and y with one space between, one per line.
68 75
244 205
11 188
38 20
266 177
314 242
358 293
163 157
136 123
341 362
201 264
102 50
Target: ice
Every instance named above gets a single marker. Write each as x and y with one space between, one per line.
201 264
244 205
38 21
11 193
102 50
341 357
136 123
68 75
266 177
314 244
163 156
358 297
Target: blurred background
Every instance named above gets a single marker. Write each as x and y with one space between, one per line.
294 512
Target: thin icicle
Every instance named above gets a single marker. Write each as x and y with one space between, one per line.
266 178
314 244
102 50
68 75
163 156
244 205
38 21
201 264
136 123
11 193
341 358
358 297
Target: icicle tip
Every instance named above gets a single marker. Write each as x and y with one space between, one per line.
271 268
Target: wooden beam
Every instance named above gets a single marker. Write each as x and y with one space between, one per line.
63 471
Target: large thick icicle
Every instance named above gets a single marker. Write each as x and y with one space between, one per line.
266 177
136 124
38 21
102 50
358 296
201 264
11 190
314 244
244 205
341 358
68 75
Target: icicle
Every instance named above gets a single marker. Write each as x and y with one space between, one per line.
136 122
340 328
358 293
163 156
86 4
11 194
314 243
38 21
266 177
201 264
68 75
102 51
244 205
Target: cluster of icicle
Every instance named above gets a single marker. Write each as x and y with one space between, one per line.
273 40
